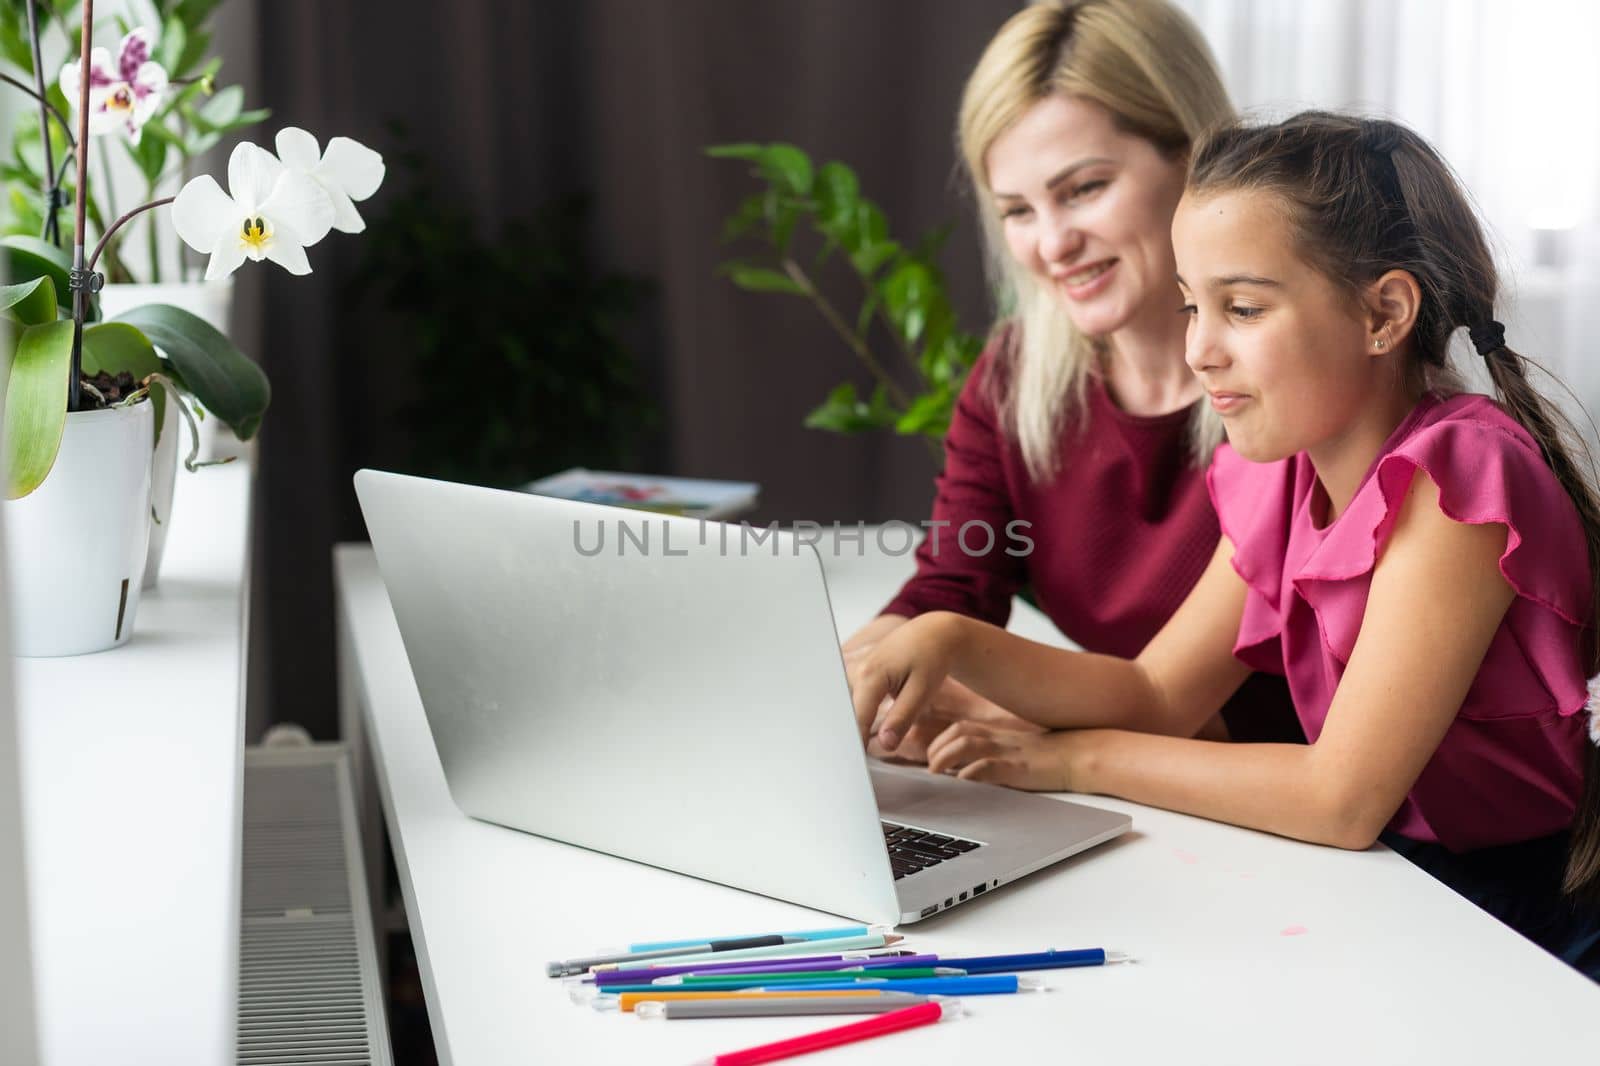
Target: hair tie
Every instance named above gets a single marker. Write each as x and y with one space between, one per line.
1487 337
1379 136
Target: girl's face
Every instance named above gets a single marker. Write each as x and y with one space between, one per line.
1286 358
1087 209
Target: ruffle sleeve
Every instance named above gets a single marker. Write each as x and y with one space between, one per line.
1255 505
1488 470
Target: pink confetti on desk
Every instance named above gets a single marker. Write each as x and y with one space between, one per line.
1295 930
1185 856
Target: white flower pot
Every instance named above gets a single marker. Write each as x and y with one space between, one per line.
213 302
163 478
75 546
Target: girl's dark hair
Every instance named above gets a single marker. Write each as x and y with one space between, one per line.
1366 196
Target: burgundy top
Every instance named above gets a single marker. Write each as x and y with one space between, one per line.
1120 533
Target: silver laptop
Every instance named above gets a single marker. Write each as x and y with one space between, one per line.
672 691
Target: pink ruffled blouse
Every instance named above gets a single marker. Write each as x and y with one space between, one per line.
1510 768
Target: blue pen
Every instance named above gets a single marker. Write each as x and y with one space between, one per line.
1037 960
803 934
990 985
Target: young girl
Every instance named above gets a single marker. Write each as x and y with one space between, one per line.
1418 561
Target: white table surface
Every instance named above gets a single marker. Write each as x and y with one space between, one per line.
131 763
1252 948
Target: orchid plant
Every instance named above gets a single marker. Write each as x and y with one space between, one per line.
276 207
153 98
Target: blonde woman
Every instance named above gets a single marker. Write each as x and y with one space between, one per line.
1081 418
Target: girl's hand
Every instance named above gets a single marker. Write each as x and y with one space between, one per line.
903 670
1037 762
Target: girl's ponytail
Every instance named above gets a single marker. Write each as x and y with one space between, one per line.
1559 441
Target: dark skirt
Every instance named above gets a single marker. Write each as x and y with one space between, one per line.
1520 884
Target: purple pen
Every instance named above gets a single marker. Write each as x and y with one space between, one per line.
776 965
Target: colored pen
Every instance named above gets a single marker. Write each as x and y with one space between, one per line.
1038 960
803 934
710 947
987 985
750 980
629 1000
778 1006
809 962
799 947
883 1024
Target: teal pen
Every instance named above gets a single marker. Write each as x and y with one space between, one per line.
803 934
985 985
799 947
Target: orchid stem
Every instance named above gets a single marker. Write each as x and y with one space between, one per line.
155 257
52 225
122 221
81 277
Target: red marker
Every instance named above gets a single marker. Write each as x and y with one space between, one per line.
882 1025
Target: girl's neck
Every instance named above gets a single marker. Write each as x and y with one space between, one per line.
1144 368
1342 462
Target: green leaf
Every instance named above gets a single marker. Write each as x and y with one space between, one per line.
838 197
751 211
194 12
843 412
868 259
150 155
24 258
246 118
221 109
116 346
761 279
14 46
174 38
783 224
928 413
32 303
194 49
787 167
225 382
36 406
750 152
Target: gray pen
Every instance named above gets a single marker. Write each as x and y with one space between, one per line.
766 1008
577 966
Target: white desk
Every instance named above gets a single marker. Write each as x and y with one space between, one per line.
132 778
1253 949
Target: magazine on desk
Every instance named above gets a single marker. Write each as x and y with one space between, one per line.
690 497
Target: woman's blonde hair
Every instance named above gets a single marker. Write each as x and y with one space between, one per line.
1145 62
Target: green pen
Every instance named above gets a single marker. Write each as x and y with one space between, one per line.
750 980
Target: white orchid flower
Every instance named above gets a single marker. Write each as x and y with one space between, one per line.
348 171
123 95
273 213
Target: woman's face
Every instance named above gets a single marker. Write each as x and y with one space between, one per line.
1285 356
1087 209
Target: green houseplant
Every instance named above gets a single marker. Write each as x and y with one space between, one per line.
80 394
901 290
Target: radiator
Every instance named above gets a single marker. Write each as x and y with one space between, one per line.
309 986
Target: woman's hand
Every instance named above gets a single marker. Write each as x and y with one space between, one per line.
1037 762
895 682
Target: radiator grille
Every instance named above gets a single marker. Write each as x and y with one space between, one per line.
309 991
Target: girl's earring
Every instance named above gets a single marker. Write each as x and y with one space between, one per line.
1378 344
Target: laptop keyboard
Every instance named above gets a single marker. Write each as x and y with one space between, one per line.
914 850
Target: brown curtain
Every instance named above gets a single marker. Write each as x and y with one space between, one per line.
517 103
